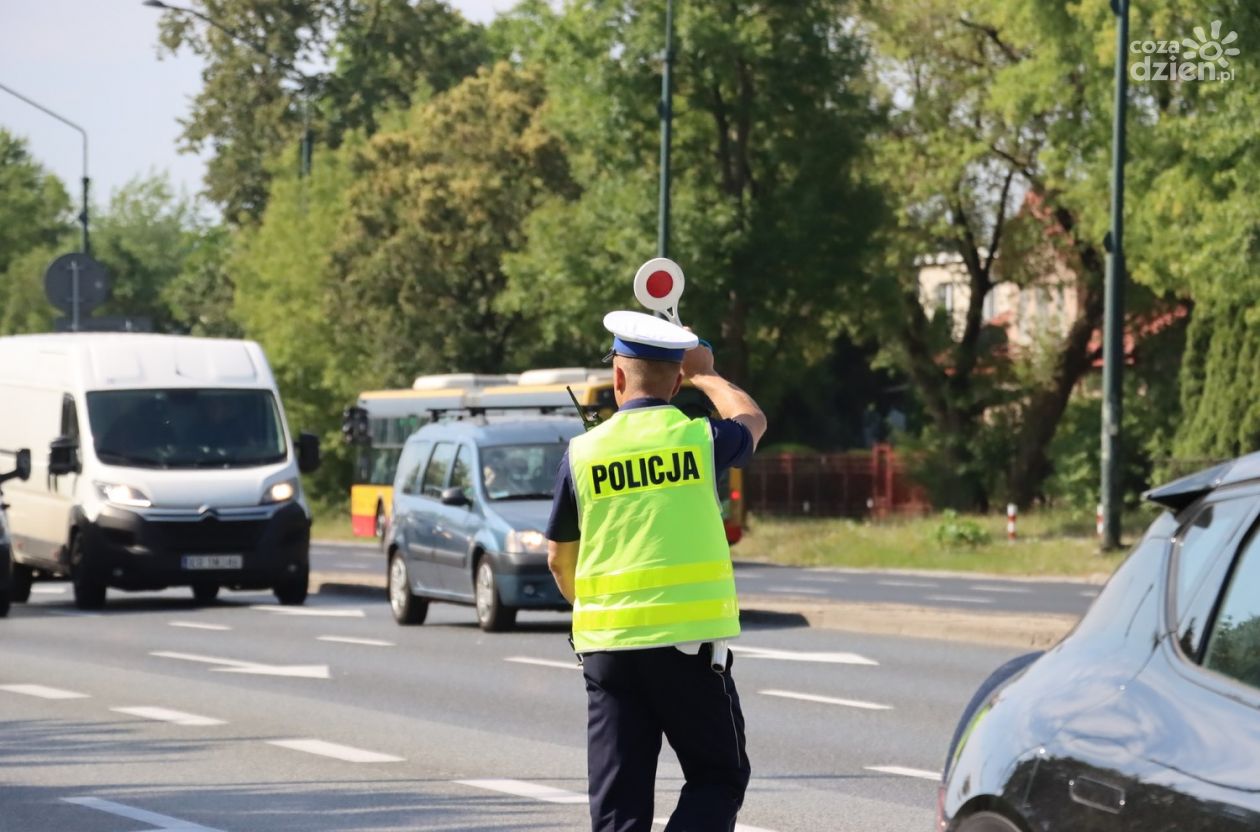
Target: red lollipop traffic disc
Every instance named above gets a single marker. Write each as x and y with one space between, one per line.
660 284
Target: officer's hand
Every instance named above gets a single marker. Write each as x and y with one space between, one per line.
697 361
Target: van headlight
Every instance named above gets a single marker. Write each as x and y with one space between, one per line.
530 542
122 495
280 492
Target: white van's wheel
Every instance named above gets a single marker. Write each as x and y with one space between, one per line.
291 592
406 607
89 591
20 579
205 593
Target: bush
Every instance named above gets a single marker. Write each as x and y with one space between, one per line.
954 532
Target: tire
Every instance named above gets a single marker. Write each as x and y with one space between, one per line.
291 592
205 593
408 608
492 614
20 579
987 822
6 589
89 590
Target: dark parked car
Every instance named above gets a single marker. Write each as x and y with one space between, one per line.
1147 716
471 499
15 585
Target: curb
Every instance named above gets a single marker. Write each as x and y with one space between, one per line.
998 629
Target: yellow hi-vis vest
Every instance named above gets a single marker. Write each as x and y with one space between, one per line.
653 564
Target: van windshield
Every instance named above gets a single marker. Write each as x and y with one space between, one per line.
521 472
185 428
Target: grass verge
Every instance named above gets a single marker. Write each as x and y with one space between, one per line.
1049 544
332 522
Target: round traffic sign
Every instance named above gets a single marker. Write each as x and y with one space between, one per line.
67 270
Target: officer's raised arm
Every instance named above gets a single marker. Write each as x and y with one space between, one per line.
731 402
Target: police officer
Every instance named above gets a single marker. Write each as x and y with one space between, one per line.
639 548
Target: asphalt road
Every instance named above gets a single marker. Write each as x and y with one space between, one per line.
156 714
968 593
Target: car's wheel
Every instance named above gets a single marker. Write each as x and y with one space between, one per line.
492 614
6 589
89 589
291 592
20 579
407 607
987 822
205 593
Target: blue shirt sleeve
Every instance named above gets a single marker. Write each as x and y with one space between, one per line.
563 526
732 445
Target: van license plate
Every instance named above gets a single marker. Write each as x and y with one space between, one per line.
213 561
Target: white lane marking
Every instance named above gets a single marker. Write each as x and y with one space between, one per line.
800 655
739 827
43 692
573 665
197 625
795 590
132 813
1014 590
303 671
352 566
49 590
1090 593
922 774
829 579
915 584
959 599
827 700
316 612
336 751
368 642
167 715
522 788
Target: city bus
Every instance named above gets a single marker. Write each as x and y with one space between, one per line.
381 420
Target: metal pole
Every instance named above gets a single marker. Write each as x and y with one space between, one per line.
83 214
667 114
1113 324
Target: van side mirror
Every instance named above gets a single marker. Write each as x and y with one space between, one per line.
63 456
23 469
307 452
455 496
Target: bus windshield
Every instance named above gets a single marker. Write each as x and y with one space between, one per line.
521 472
186 428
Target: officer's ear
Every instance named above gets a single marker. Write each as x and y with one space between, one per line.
619 377
678 380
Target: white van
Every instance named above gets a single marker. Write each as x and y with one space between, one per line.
158 460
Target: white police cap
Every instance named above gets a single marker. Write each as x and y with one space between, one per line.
636 335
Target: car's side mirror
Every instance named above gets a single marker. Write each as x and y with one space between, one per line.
455 496
307 452
23 469
63 456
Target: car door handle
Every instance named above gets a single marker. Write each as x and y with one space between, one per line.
1096 795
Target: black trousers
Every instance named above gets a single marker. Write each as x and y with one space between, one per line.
636 696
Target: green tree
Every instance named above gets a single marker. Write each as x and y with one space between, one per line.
200 298
770 214
433 211
34 207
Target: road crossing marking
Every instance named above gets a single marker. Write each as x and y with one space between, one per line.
303 671
167 715
352 566
1014 590
1089 593
368 642
739 827
132 813
795 590
800 655
959 599
49 590
43 692
522 788
903 771
314 612
827 700
336 751
573 665
912 584
829 579
197 625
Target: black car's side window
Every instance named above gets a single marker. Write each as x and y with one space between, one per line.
1233 647
412 464
1200 543
439 467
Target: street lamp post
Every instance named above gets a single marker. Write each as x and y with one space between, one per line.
83 213
303 80
1113 298
667 114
